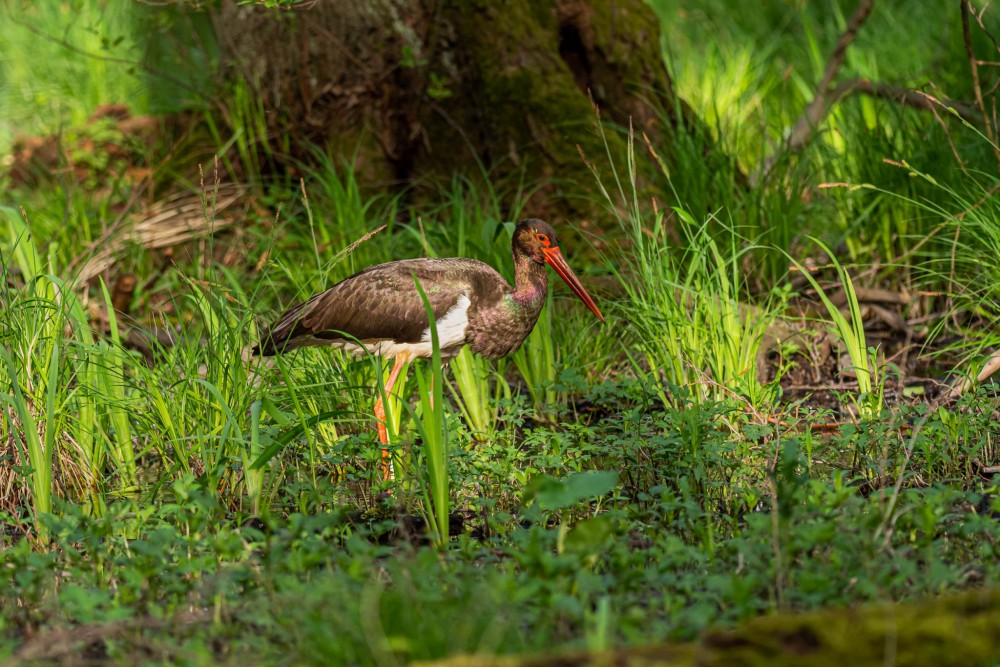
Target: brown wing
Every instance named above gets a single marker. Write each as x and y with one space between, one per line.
379 303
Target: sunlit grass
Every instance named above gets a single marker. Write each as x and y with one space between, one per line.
60 61
757 70
851 331
478 388
613 478
690 325
57 84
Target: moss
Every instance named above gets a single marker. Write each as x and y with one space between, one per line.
537 113
961 629
357 146
953 630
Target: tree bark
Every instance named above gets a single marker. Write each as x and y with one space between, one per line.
416 89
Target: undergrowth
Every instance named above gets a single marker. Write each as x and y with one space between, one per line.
746 434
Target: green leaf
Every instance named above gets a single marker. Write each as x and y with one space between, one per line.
588 536
560 493
287 436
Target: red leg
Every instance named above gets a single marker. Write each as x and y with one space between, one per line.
383 433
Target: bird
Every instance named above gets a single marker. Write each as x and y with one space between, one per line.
379 310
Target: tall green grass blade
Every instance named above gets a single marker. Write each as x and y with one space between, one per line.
475 394
37 453
433 430
852 334
253 476
292 432
111 375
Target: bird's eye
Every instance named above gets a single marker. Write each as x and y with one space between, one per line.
543 239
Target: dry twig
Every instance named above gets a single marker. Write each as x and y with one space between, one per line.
976 83
820 105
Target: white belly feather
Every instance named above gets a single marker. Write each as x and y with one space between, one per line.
450 329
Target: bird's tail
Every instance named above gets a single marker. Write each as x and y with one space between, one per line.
284 333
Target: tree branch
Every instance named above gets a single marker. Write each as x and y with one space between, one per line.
820 104
861 15
974 70
828 96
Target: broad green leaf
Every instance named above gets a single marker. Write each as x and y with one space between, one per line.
560 493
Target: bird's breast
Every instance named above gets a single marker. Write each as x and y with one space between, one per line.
499 330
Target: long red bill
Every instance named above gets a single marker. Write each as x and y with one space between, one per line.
555 259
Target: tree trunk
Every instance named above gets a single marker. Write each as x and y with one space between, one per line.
427 88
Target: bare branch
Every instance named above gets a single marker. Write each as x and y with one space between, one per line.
820 104
965 382
913 98
861 15
974 70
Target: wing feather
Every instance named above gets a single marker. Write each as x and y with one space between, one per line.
378 303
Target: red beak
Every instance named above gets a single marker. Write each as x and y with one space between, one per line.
554 258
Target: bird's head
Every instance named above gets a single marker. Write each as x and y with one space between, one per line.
533 237
537 240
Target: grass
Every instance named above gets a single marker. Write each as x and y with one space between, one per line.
37 102
690 329
433 430
864 359
88 53
164 499
549 576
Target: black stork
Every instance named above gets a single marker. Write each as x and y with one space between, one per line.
379 310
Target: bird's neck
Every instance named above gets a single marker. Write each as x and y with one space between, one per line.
530 281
